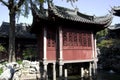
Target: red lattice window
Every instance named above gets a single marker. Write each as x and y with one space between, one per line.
76 38
50 39
89 40
70 38
80 39
65 39
84 37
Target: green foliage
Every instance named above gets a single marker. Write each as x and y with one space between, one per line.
110 54
41 1
105 43
101 33
109 43
19 61
1 71
29 53
2 48
24 10
102 43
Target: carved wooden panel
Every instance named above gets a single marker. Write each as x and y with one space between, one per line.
77 44
51 44
89 40
76 39
50 39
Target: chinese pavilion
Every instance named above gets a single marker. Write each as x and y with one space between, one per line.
66 36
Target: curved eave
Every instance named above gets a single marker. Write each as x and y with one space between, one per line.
37 13
114 27
98 23
102 21
116 8
116 11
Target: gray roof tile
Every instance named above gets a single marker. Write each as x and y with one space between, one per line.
73 15
20 31
116 10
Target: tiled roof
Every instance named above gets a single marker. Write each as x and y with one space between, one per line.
20 31
41 14
72 15
116 10
114 27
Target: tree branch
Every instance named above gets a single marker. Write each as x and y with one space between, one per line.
20 3
5 3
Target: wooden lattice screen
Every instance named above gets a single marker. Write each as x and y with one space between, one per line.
76 39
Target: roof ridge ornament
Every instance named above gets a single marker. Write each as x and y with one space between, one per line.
116 10
50 3
94 17
76 10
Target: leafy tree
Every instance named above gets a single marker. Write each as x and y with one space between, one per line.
41 2
102 33
30 54
13 7
109 59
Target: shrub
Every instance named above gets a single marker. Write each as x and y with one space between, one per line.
29 53
1 71
105 43
2 48
19 61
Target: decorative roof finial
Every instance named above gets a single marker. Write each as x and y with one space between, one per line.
76 10
49 3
